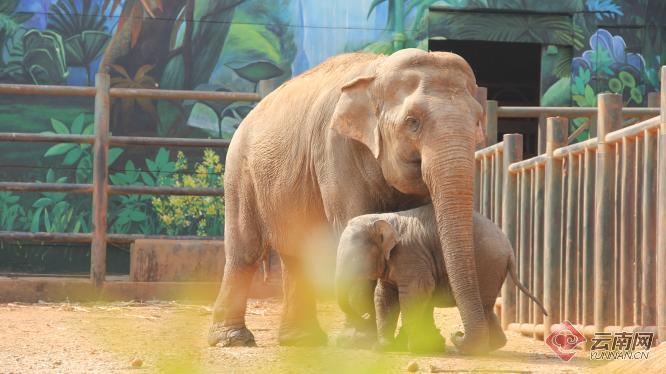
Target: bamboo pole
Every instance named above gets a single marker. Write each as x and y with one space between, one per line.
649 234
571 239
537 246
610 119
627 221
100 180
491 122
524 213
661 216
557 128
513 151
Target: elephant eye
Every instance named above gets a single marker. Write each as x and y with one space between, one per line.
412 124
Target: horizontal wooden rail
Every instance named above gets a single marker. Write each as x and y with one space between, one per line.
167 142
112 190
633 131
46 90
46 138
571 112
575 148
538 161
86 238
497 147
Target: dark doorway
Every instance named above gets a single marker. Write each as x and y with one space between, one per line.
511 72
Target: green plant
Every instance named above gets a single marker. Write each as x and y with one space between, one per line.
131 212
54 213
44 57
77 154
83 30
202 215
10 19
11 210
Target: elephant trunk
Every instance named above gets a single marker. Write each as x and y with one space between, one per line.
448 172
343 285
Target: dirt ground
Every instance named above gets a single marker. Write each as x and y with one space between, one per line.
171 337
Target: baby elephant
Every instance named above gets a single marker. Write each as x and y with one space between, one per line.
402 251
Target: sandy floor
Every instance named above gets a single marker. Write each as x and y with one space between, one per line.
170 337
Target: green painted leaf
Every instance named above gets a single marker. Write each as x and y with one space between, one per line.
256 71
34 225
627 79
72 156
137 216
636 95
559 94
615 85
204 117
590 97
59 149
77 124
59 127
114 153
42 202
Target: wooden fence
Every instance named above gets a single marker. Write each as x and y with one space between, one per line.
100 188
587 220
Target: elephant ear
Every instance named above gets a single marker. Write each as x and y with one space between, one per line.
386 237
355 116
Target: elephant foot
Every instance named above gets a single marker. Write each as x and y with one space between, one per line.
467 347
230 336
427 343
497 341
351 337
299 337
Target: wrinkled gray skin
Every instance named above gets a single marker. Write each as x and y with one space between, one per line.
402 251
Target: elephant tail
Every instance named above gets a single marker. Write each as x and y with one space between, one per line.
514 277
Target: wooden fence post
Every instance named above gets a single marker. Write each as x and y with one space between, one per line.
100 180
513 152
609 120
491 123
661 216
557 134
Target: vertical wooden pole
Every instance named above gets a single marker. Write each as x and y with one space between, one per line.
610 119
478 164
661 216
637 240
100 180
627 220
491 123
513 152
524 242
541 135
557 132
499 175
649 234
588 236
481 96
485 186
537 246
571 240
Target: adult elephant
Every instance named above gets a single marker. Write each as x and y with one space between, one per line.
360 133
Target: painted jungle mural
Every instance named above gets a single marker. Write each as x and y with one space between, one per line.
588 47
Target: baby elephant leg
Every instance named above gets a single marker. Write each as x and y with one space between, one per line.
422 335
387 309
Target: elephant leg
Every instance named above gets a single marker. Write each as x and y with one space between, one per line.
422 335
497 337
299 325
243 250
387 308
228 327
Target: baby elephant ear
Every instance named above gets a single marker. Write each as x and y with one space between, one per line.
386 236
355 116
